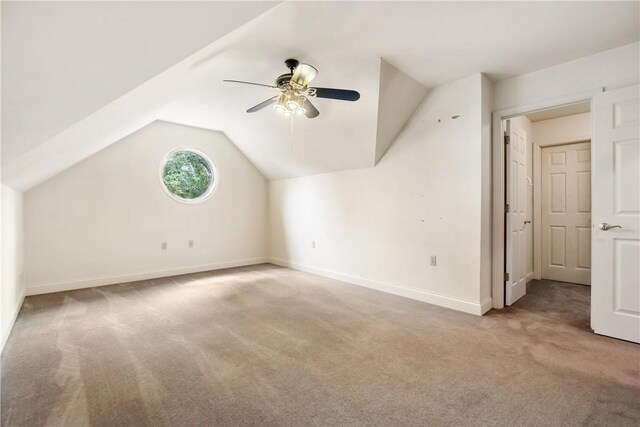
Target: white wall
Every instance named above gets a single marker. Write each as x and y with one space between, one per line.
523 123
609 69
562 130
11 254
1 205
12 259
378 227
103 220
486 223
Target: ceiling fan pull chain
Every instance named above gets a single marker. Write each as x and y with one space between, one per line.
291 135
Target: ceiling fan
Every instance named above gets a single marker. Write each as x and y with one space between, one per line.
295 91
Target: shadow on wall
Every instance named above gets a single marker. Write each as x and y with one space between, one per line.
379 226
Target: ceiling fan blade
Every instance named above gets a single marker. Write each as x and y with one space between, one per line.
263 104
302 75
310 110
341 94
249 83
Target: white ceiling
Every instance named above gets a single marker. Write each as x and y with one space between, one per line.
342 137
564 111
433 42
62 61
438 42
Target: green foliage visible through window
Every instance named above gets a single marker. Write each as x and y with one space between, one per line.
187 175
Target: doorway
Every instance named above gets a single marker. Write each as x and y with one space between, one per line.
547 191
614 234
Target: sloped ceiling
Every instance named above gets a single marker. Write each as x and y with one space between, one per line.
63 61
398 98
432 42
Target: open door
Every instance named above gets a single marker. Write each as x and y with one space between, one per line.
615 281
515 211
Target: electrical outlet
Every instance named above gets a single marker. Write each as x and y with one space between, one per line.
163 246
313 244
190 243
433 260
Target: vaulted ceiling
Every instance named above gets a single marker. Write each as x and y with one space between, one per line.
428 43
63 61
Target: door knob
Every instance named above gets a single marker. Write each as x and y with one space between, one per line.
604 226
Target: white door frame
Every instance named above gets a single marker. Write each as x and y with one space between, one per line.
498 157
537 211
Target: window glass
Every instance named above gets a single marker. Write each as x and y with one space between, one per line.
187 175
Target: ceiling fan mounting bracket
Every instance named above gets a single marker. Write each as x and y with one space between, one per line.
291 64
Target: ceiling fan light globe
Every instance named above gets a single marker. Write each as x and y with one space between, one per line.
302 76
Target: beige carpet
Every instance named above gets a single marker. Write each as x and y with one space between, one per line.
269 346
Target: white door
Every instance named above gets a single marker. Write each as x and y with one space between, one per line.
615 262
566 213
516 257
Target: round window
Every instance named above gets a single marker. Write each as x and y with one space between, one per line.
188 175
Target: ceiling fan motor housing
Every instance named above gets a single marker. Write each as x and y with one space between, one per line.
283 79
291 64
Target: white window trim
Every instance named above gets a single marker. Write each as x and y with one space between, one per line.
214 173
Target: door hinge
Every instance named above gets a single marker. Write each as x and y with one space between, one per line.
506 277
507 139
507 208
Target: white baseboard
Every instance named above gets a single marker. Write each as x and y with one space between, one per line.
416 294
47 288
486 305
12 321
